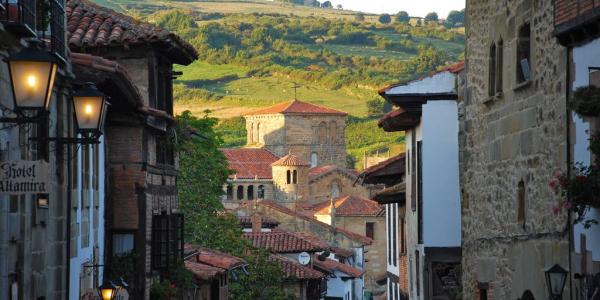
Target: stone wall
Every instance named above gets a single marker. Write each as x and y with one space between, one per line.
289 194
321 189
511 144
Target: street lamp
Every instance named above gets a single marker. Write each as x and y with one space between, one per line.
90 110
107 291
556 277
32 73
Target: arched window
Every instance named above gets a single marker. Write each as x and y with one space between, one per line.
492 71
335 189
333 132
261 192
527 295
314 160
257 134
289 177
322 133
499 66
240 192
229 192
521 195
524 54
250 192
251 134
295 177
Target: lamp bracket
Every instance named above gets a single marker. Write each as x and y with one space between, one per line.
63 140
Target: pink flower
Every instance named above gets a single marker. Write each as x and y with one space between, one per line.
554 184
557 174
567 205
556 209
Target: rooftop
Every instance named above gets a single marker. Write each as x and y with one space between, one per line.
330 266
317 172
297 107
290 160
250 163
387 172
293 269
90 25
212 258
282 241
350 206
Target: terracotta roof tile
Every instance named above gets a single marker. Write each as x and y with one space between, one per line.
317 172
349 206
352 235
297 107
282 241
213 258
290 160
342 252
330 266
293 269
250 163
90 25
202 271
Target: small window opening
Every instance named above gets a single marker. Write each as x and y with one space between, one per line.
240 192
524 54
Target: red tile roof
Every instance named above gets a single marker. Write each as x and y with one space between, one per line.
213 258
293 269
330 266
399 120
349 206
290 160
317 172
90 25
202 271
282 241
342 252
384 164
297 107
351 235
250 163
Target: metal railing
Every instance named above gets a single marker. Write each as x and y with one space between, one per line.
19 14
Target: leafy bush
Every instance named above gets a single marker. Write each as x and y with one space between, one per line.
377 107
586 101
402 17
385 19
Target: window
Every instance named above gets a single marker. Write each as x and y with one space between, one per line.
396 292
524 54
492 71
322 134
390 289
123 243
521 202
261 192
229 192
250 192
394 235
164 150
289 177
420 190
335 189
483 293
499 66
314 160
333 132
370 230
167 240
96 172
402 237
251 134
418 271
240 192
295 177
85 166
257 134
413 173
389 232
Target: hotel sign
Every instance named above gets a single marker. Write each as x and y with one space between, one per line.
20 177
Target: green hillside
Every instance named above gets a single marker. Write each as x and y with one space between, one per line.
253 52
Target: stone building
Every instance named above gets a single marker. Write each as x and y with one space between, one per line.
142 215
313 133
513 129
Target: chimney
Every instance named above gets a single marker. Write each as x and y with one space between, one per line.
256 220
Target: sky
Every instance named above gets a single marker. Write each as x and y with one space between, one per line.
417 8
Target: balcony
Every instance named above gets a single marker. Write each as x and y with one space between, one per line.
18 16
57 29
576 21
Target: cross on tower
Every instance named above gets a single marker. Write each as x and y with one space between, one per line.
296 87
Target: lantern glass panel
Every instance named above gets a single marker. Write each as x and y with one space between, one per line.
88 111
32 83
557 281
107 293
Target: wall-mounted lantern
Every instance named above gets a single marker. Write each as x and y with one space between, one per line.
107 291
90 110
32 73
556 277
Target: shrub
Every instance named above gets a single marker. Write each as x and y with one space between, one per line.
385 19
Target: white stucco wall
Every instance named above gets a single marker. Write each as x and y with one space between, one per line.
441 192
584 57
86 255
442 82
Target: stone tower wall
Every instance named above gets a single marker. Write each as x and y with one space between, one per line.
287 194
517 135
300 135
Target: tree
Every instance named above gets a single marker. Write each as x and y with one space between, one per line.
385 19
402 17
263 281
432 16
456 17
359 17
377 107
327 4
339 6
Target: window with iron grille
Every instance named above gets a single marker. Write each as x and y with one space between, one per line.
164 150
19 16
57 28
